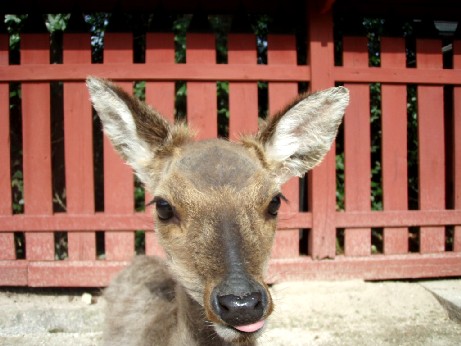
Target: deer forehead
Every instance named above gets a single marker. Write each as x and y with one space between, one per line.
214 169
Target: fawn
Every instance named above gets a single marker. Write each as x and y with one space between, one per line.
216 206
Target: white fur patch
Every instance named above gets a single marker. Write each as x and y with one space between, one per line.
306 131
119 126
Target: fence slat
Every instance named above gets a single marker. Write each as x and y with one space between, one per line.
282 51
431 145
35 48
394 145
201 96
357 166
118 177
243 97
161 96
78 147
7 251
322 180
457 145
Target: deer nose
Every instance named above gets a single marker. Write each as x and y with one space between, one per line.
241 310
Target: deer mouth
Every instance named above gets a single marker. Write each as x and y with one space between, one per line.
240 334
251 328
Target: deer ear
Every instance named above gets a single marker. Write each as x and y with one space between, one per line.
298 138
135 130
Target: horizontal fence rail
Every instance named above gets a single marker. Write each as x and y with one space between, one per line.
83 236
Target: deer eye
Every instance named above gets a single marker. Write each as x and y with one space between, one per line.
274 205
164 209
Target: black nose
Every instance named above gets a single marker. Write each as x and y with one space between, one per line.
240 310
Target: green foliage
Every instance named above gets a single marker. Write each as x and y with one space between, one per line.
14 24
140 242
57 22
180 26
17 186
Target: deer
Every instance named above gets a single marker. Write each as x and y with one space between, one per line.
215 207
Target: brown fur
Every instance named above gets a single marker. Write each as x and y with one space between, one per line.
216 204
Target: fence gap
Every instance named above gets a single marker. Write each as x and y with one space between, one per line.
449 238
448 102
180 101
375 141
261 46
139 48
16 150
220 24
413 239
57 147
100 245
98 163
377 241
139 91
140 242
263 100
180 26
412 145
61 250
340 235
222 91
304 241
20 245
98 23
340 168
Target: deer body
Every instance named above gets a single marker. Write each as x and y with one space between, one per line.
216 206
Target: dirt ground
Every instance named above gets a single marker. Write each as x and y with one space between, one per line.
307 313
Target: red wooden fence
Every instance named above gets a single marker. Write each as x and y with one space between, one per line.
119 221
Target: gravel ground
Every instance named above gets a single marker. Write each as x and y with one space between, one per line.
307 313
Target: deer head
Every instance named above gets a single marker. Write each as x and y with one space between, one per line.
216 202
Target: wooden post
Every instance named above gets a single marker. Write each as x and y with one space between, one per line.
7 250
394 145
357 241
431 140
457 145
36 133
243 96
201 96
322 180
78 146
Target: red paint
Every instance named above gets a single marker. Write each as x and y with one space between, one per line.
431 148
357 165
35 49
322 180
78 146
201 96
243 96
160 94
394 145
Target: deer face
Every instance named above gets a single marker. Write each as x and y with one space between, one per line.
216 202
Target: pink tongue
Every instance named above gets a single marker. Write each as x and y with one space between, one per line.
250 328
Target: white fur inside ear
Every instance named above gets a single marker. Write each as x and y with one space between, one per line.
119 126
304 134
